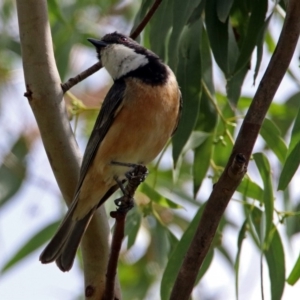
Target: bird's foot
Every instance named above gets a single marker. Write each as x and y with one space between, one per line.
135 177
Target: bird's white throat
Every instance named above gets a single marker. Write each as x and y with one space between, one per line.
119 60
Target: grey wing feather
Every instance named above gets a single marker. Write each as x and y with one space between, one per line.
65 242
104 120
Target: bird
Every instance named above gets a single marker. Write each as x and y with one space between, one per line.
139 114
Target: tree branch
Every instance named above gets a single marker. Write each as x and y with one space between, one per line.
116 244
125 203
243 147
135 33
96 67
46 100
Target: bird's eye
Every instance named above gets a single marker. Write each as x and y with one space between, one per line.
123 39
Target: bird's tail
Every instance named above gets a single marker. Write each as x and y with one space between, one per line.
63 246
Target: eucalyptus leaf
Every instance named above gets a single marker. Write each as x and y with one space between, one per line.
189 79
33 243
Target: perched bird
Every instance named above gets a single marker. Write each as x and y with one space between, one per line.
138 116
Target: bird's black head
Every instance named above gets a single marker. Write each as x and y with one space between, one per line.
123 57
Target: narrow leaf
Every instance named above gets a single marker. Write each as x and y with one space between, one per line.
189 78
276 264
202 156
158 198
295 273
132 226
223 9
260 44
160 26
263 166
256 24
13 170
36 241
218 35
234 86
241 238
293 158
182 10
272 135
251 189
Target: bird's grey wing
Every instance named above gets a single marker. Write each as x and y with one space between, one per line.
70 231
109 109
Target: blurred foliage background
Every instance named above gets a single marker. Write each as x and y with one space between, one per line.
218 50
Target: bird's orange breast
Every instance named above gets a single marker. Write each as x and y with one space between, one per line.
142 126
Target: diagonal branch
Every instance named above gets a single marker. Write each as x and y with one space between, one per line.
243 147
135 33
96 67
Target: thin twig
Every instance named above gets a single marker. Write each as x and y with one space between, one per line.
96 67
225 187
146 20
80 77
116 244
125 203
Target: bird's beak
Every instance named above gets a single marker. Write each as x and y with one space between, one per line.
97 43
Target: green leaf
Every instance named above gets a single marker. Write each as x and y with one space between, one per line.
256 24
276 264
182 10
222 142
206 62
241 238
271 45
136 278
56 12
160 26
295 273
274 255
196 139
255 221
218 35
293 158
13 170
34 242
177 257
234 86
272 135
251 189
158 198
263 166
260 45
189 78
202 156
223 9
160 243
290 167
132 226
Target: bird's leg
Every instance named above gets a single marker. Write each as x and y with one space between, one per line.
120 184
